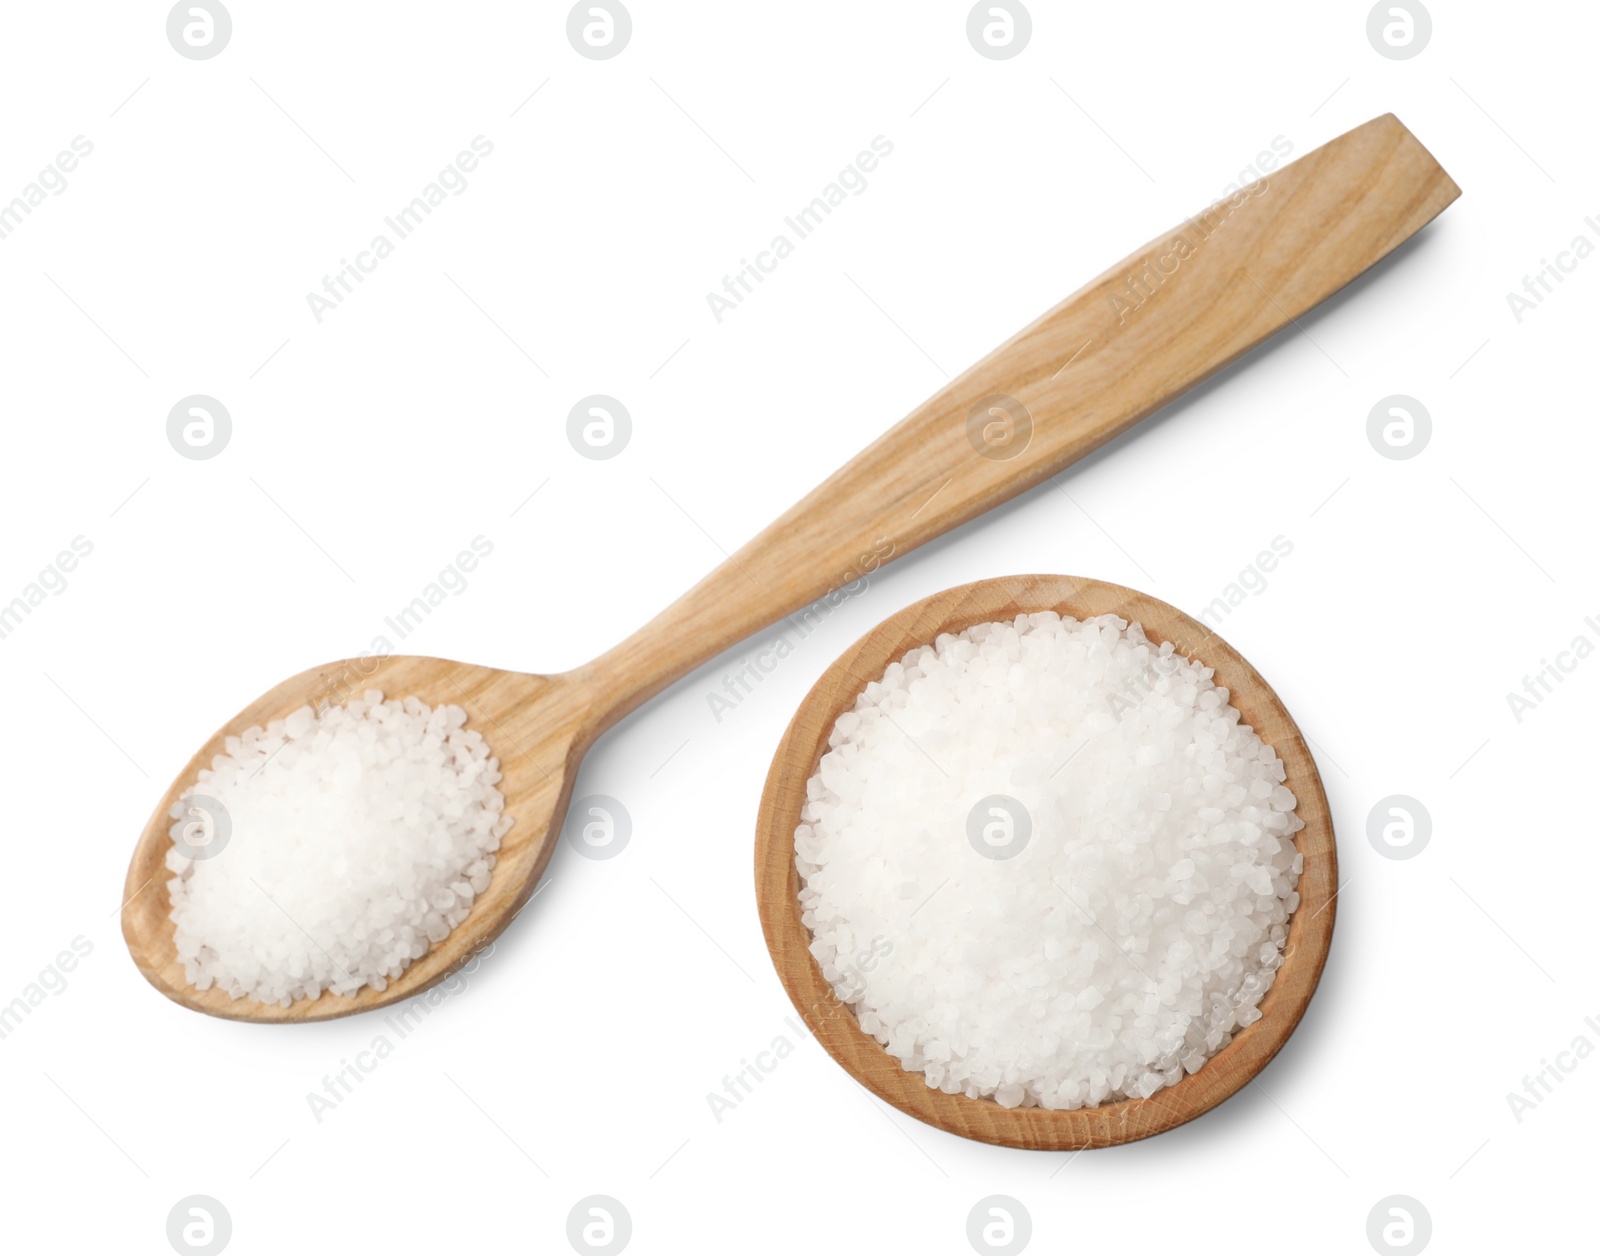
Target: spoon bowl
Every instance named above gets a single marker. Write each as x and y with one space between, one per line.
835 1025
535 725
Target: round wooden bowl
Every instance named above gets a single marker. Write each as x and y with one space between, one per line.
835 1025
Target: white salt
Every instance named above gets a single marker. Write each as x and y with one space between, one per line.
1069 861
359 836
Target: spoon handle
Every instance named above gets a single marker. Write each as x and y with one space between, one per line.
1145 331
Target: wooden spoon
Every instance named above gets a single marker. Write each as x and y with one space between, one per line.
835 1025
1172 314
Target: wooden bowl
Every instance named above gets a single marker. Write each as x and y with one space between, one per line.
835 1025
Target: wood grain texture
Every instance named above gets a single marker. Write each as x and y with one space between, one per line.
537 726
1086 371
1113 353
835 1025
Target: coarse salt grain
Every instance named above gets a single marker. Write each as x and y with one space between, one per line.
359 836
1134 931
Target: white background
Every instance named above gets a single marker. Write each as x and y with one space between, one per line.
370 448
